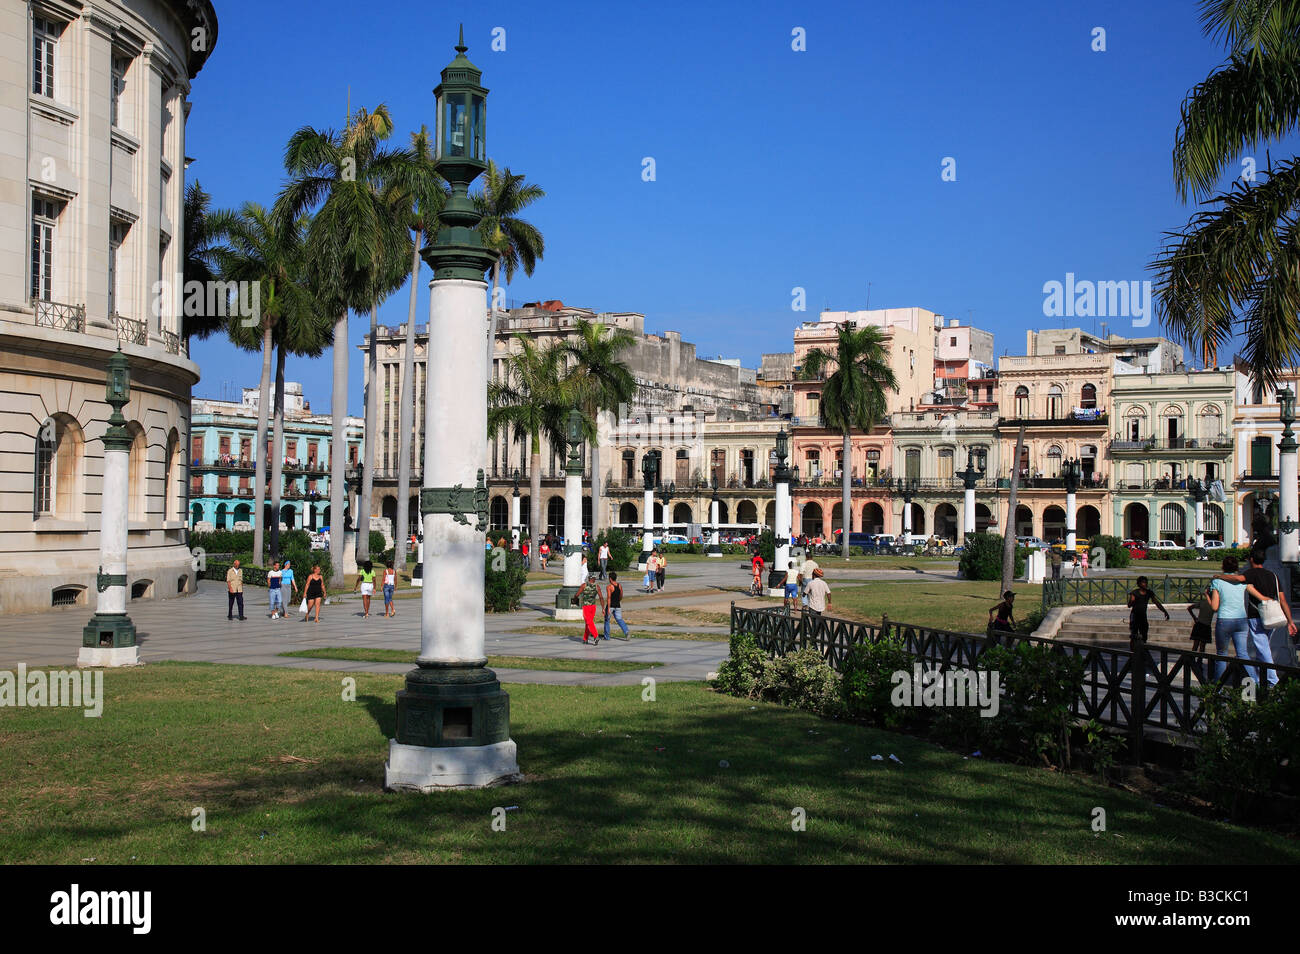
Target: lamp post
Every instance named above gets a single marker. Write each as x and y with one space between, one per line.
1071 472
1288 526
650 472
715 542
515 529
781 558
109 638
572 522
970 477
907 487
1199 490
453 718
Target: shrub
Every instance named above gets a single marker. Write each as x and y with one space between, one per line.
744 673
223 541
1040 686
803 679
767 545
1117 555
867 685
1100 746
1250 749
376 543
503 580
981 559
624 548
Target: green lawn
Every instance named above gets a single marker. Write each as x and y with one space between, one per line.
288 772
362 654
961 605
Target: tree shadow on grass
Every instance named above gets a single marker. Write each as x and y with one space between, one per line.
384 712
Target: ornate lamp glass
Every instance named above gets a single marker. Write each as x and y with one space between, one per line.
1286 399
461 106
117 386
782 444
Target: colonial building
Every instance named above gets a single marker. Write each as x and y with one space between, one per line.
1256 433
92 170
223 462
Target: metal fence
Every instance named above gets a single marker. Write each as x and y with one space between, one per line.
1151 692
53 314
1114 590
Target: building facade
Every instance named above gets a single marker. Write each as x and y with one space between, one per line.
92 169
223 462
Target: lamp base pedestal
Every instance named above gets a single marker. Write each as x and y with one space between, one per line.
108 640
96 657
420 768
564 608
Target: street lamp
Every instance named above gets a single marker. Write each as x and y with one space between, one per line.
970 477
572 522
109 638
714 531
907 487
1070 473
515 529
453 718
650 475
1289 525
784 516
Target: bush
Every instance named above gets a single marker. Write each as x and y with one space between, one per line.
982 558
303 559
1117 555
767 545
1040 686
503 580
744 673
376 543
1250 749
804 680
624 548
223 541
867 685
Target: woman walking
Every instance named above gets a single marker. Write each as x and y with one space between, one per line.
390 584
587 597
366 583
315 592
651 563
661 568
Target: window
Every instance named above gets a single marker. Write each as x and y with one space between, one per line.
1210 425
45 38
116 236
1055 402
45 214
1088 396
1054 461
120 65
913 464
1022 402
138 473
43 493
813 462
814 404
1060 349
952 342
57 470
945 464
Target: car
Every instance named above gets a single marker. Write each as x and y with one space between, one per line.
1163 545
882 541
913 539
1031 543
1215 545
1137 549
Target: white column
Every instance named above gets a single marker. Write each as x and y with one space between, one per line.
783 521
112 559
648 525
1200 524
455 427
715 542
514 522
1071 515
572 542
907 517
968 513
1289 549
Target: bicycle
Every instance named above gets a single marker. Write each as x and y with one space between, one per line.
755 587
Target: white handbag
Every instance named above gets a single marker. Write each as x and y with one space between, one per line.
1270 611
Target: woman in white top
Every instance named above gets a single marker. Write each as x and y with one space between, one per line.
390 584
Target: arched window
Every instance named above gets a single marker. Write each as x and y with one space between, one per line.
137 473
1055 402
1209 425
1022 402
1088 396
43 491
57 469
1054 461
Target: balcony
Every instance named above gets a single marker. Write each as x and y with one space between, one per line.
1214 445
1158 484
174 343
1070 420
1086 483
225 463
60 317
1258 476
131 330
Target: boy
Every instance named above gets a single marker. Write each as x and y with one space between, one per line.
1137 601
274 581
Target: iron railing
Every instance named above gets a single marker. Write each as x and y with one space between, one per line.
171 341
131 329
61 317
1154 690
1221 443
1114 590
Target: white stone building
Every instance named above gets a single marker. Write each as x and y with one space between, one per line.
92 178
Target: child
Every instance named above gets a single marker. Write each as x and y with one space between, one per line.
1203 614
1137 601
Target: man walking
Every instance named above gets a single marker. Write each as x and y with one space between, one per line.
1056 563
603 556
234 590
818 593
1260 636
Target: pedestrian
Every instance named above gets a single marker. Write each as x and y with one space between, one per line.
1138 625
756 584
1083 558
791 585
544 551
818 593
289 588
524 552
390 585
614 605
1228 598
1057 560
366 583
584 573
1005 610
602 555
274 580
587 597
315 587
1074 565
234 590
1261 631
806 570
651 565
1202 630
661 569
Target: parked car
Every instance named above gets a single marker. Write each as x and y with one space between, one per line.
674 538
1137 549
913 539
1215 545
1163 545
1031 542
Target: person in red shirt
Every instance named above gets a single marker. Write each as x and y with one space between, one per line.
757 565
545 550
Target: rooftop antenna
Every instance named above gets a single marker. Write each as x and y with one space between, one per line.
868 308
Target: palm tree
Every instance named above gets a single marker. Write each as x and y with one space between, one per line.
428 194
267 251
533 401
341 176
603 383
516 242
1236 265
853 397
200 249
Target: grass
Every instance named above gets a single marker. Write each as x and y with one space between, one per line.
552 630
363 654
287 771
961 605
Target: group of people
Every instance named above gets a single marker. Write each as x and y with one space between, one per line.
656 568
609 598
278 579
1078 564
366 585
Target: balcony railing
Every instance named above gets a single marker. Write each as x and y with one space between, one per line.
1154 483
61 317
1257 475
131 329
1070 420
1220 443
171 342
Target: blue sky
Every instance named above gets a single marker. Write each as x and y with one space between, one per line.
775 169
